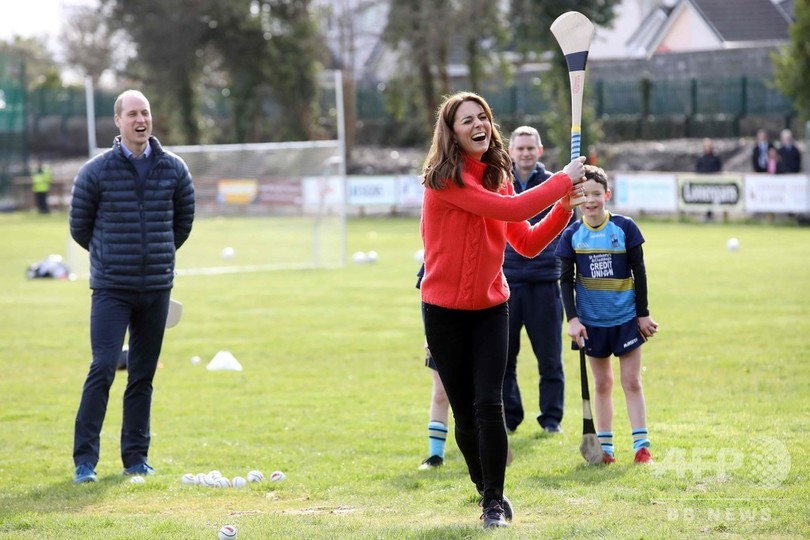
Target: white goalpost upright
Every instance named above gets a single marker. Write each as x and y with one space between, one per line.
261 206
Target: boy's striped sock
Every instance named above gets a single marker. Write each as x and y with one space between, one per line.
640 439
437 433
606 440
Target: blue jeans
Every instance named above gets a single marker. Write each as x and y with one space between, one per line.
469 348
111 314
538 307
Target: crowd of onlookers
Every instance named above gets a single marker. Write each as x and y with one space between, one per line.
766 157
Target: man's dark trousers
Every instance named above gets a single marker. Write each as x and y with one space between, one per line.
538 306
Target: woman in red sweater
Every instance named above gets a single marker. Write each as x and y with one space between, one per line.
469 212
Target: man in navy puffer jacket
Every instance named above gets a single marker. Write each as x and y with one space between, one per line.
534 302
132 207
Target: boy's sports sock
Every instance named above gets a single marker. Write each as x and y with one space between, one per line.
640 439
606 440
437 434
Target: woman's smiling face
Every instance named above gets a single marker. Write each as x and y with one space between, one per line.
472 128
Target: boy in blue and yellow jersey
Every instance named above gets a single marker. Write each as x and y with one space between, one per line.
604 290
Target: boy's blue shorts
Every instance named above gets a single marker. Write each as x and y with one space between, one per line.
615 340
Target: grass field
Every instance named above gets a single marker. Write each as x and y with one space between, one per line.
334 394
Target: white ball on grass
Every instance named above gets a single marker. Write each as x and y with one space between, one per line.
372 256
732 244
222 481
227 253
359 257
227 532
207 481
277 476
419 255
190 479
255 476
215 474
137 480
195 360
238 482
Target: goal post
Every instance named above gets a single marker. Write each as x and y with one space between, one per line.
263 206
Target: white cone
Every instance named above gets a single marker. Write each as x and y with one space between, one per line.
224 361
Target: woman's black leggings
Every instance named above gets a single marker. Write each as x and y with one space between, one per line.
469 348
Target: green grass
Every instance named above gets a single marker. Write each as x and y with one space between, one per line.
334 393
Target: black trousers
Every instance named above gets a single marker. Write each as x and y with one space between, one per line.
538 308
111 314
469 348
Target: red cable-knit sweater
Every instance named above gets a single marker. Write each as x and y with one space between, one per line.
464 232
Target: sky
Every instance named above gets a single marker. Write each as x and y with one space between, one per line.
36 18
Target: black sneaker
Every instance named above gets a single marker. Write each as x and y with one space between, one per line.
431 463
494 516
505 503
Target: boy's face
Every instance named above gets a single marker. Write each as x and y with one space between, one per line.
595 198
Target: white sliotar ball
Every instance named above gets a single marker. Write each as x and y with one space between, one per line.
255 476
215 474
419 255
137 480
222 481
277 476
372 256
195 360
200 477
227 253
732 244
227 532
238 482
207 481
359 257
190 479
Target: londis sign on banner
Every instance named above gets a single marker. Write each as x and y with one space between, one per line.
702 192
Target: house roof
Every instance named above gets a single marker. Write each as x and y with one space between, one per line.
744 20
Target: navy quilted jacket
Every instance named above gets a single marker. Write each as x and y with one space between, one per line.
545 267
132 229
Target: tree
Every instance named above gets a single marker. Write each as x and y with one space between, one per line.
250 48
531 20
429 35
419 31
90 43
40 68
792 63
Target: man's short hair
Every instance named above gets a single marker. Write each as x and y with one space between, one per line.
525 130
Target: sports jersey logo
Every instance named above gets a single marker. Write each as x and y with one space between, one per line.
614 240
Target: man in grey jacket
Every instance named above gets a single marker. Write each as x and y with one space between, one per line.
132 207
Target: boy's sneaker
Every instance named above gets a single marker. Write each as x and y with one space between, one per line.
607 459
643 456
431 463
494 516
141 469
553 429
506 504
84 473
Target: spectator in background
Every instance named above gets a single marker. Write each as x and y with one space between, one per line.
41 185
708 162
788 152
759 157
775 165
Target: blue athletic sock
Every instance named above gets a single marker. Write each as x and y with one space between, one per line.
606 440
437 433
640 439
